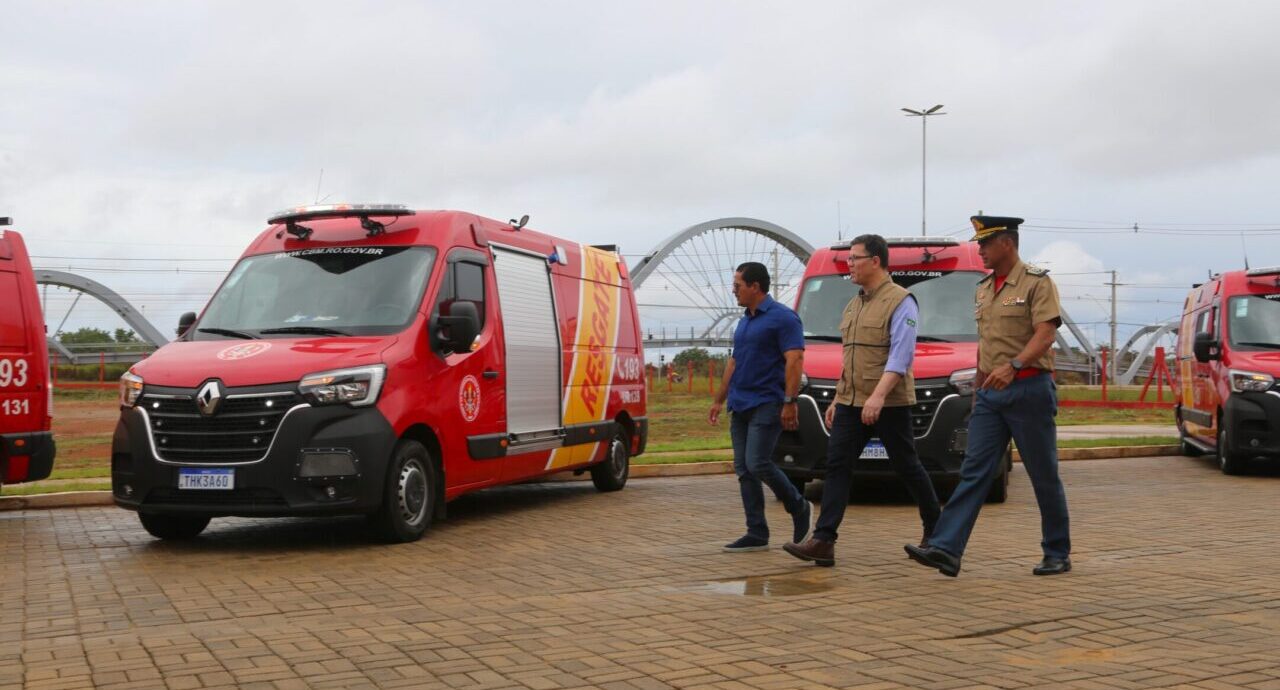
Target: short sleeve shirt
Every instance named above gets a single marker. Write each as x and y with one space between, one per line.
1007 318
759 343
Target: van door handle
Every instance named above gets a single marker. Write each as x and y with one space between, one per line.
490 374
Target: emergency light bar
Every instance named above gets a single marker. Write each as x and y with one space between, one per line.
1268 271
909 242
292 216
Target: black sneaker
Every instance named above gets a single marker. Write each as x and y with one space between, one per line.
802 519
747 543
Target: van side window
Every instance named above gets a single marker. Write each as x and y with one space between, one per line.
1204 322
463 281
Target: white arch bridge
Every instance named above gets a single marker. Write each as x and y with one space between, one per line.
683 288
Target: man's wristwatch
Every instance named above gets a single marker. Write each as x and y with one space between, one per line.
1016 364
788 400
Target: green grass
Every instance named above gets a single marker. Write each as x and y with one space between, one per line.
104 394
45 488
1114 393
80 472
1119 441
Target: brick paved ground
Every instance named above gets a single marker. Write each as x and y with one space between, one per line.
557 586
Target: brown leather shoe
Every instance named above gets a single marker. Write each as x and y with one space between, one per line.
816 550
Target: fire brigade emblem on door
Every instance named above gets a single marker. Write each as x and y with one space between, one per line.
244 351
469 398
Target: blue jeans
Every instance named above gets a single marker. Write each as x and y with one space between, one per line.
755 433
1025 410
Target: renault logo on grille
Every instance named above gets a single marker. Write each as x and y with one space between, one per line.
210 397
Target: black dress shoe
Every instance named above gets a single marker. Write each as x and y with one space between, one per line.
1052 566
934 557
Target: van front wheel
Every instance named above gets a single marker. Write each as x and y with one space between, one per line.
409 495
175 527
612 473
1228 460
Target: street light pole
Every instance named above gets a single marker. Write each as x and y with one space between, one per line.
923 114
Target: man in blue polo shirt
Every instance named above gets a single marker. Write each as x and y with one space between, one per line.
760 383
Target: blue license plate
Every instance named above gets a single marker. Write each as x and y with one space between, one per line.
211 478
874 451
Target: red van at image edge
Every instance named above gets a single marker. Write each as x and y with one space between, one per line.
943 274
27 449
381 361
1228 393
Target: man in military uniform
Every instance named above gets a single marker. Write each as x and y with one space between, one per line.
1018 315
874 395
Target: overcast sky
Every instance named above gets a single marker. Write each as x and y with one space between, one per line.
171 130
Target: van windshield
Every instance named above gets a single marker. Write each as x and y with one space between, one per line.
945 299
324 291
1253 322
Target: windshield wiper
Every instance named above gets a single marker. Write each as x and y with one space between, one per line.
931 339
824 338
228 332
315 330
1272 346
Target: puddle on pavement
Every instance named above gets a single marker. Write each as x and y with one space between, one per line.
783 585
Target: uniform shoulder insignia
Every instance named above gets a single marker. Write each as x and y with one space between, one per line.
1037 271
985 278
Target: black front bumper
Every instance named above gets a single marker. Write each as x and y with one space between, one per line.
37 446
267 487
1253 424
940 442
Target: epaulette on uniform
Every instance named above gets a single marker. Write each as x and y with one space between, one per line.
1036 270
987 277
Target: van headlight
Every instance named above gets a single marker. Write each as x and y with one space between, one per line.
357 387
962 381
1251 381
130 389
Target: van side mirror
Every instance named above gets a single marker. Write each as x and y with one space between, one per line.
460 328
184 323
1205 348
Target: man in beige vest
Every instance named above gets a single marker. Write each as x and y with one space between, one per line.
874 395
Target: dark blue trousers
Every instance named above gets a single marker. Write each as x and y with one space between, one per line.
755 433
1025 411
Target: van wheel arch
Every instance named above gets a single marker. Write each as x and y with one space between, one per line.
427 437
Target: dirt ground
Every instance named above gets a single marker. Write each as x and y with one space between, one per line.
82 429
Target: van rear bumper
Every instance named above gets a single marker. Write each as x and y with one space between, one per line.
271 487
1253 424
39 449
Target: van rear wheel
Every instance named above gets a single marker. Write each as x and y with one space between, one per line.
174 527
409 495
612 473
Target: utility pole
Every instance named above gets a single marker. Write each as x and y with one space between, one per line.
777 286
1114 355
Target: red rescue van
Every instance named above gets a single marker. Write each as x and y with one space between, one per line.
26 396
1228 399
942 273
370 359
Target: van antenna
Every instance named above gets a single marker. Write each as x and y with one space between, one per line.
839 224
318 183
1244 248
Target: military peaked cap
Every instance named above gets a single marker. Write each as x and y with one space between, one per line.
989 226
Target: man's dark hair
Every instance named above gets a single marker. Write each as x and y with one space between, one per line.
755 272
875 246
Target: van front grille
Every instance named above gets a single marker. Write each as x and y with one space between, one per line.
241 431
